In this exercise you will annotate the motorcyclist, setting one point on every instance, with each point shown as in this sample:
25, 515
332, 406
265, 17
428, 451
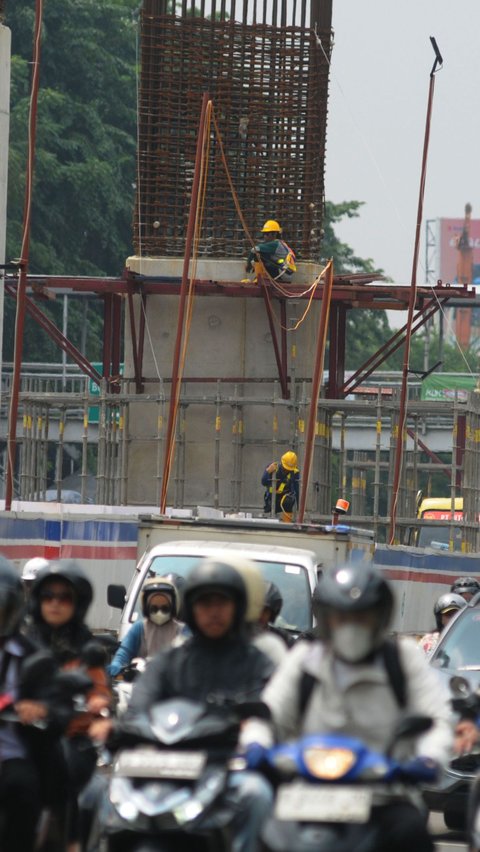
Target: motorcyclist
59, 601
157, 629
467, 587
30, 571
445, 607
27, 754
272, 608
270, 645
218, 664
356, 682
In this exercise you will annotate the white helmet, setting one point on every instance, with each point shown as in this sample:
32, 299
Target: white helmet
33, 566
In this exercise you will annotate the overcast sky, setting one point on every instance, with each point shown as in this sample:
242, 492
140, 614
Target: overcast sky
381, 64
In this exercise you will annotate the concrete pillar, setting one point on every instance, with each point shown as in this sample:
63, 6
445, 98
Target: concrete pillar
229, 337
5, 47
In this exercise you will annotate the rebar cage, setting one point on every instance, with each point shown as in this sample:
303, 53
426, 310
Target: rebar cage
269, 86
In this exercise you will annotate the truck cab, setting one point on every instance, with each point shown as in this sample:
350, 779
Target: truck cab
295, 571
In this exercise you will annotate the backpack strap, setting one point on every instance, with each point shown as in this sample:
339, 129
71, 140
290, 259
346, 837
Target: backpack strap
396, 675
307, 682
393, 666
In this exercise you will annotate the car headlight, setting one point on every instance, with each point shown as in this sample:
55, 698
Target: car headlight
328, 763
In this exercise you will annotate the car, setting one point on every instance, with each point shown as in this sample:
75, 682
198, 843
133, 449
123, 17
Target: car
458, 653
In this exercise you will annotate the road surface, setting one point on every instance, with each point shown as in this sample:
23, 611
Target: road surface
447, 841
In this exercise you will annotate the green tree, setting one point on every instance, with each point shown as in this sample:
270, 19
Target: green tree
344, 258
85, 152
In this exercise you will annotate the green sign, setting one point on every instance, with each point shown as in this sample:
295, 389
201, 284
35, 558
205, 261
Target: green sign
94, 390
447, 386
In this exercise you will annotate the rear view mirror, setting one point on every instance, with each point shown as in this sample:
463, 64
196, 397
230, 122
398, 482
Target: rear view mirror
463, 698
116, 595
460, 687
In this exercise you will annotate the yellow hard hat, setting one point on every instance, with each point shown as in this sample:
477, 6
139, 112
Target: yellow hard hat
270, 226
289, 460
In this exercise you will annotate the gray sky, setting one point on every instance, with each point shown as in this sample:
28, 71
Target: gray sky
381, 63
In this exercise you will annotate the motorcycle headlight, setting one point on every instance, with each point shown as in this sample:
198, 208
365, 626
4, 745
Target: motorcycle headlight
328, 763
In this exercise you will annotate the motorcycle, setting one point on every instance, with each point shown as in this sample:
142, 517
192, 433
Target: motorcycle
123, 683
328, 786
41, 680
169, 778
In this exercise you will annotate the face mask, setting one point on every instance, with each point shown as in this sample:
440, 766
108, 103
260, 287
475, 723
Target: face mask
352, 642
159, 617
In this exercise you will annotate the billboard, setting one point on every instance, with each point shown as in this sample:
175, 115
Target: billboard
447, 386
448, 236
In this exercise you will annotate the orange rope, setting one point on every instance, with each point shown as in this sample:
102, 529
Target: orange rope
275, 284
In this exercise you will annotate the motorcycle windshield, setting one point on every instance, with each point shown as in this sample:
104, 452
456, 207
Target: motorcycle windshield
180, 720
175, 720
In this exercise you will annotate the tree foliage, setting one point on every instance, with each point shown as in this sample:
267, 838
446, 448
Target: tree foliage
85, 168
85, 149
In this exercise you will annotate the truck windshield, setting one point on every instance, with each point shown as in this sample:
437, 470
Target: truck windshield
437, 536
291, 579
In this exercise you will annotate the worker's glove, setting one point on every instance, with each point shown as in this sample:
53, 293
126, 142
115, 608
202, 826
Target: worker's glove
419, 769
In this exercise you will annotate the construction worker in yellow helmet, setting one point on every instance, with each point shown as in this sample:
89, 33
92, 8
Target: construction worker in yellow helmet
276, 256
283, 479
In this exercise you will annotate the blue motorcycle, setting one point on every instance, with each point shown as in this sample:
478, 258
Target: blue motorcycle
330, 786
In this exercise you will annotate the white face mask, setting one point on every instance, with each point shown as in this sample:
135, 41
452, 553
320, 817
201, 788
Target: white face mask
159, 617
352, 642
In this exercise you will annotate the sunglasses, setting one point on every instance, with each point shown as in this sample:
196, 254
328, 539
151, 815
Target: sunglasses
61, 597
163, 608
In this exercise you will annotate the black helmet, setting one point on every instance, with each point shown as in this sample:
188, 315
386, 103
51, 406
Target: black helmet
11, 599
465, 585
161, 586
352, 588
210, 576
449, 602
273, 599
71, 572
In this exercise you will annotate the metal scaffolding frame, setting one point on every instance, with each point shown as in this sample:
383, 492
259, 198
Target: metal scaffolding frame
358, 474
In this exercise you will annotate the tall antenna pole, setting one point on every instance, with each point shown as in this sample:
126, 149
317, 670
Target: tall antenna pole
411, 302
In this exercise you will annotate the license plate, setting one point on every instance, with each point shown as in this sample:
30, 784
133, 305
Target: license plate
150, 763
299, 802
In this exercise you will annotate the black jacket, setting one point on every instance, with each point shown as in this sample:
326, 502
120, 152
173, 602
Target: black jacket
203, 670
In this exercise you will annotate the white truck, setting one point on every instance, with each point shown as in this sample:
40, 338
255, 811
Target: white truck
292, 556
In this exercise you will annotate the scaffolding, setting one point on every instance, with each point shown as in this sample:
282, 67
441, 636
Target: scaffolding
363, 476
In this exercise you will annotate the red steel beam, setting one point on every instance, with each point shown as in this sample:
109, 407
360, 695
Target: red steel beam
390, 347
107, 334
433, 456
402, 409
172, 412
25, 254
282, 372
316, 384
349, 289
46, 323
133, 335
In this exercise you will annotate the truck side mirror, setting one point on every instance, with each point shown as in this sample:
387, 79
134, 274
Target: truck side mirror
116, 595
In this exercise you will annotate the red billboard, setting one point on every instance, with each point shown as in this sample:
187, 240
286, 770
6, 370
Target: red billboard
455, 236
